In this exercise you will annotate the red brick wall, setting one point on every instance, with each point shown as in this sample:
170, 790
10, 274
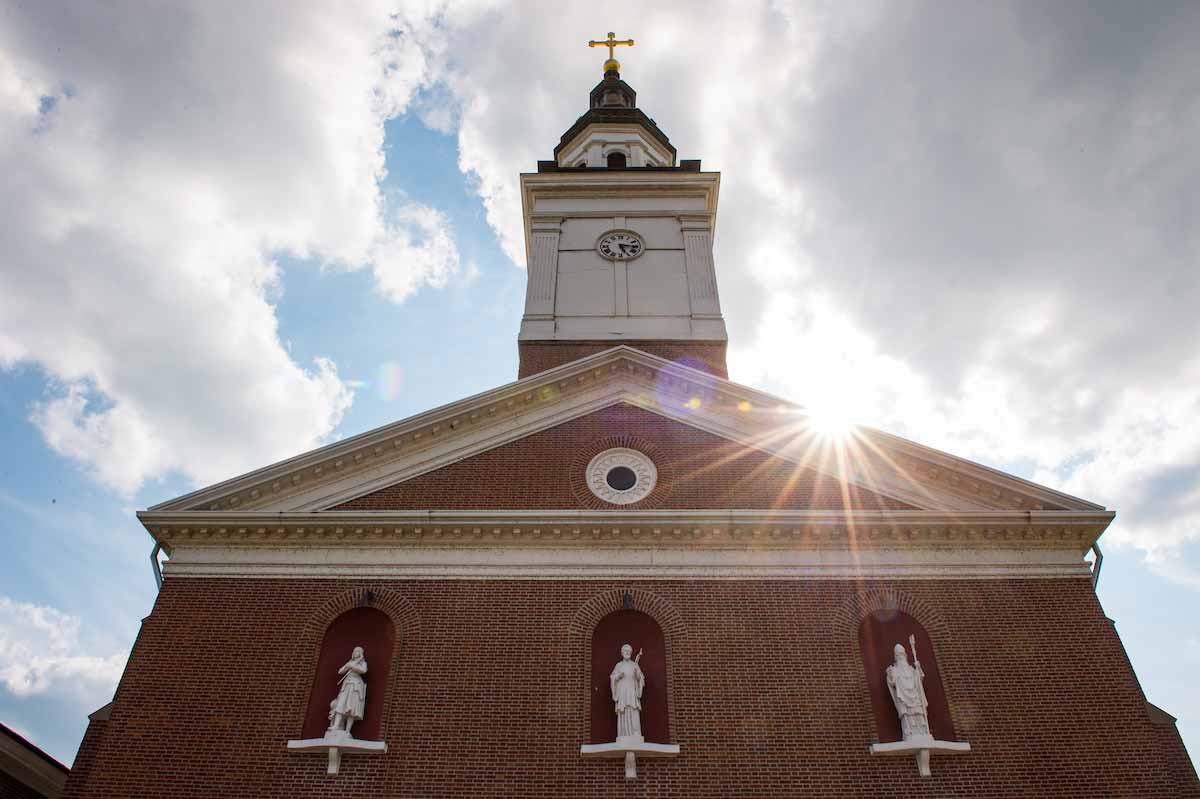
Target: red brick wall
542, 355
695, 470
488, 695
85, 757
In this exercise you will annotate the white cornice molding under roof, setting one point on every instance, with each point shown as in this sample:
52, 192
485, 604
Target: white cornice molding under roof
599, 184
356, 466
560, 544
621, 182
389, 441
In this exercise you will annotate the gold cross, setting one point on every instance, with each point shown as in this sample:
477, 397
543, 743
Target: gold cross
610, 43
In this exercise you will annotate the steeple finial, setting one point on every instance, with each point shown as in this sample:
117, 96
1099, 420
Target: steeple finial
612, 64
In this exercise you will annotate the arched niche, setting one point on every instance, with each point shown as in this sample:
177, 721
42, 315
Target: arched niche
371, 629
640, 631
878, 634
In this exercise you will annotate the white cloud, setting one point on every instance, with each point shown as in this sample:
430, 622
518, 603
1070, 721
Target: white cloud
973, 226
156, 160
416, 250
40, 651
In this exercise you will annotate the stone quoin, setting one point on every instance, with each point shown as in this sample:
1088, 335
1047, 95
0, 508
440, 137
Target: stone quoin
625, 556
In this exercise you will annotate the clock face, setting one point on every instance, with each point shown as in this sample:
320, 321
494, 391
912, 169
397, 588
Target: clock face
620, 245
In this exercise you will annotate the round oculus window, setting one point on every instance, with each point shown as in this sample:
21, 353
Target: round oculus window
621, 476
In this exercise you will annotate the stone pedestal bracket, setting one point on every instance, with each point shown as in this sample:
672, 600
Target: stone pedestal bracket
336, 742
628, 750
921, 748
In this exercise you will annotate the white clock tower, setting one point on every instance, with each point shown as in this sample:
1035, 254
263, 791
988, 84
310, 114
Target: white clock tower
618, 241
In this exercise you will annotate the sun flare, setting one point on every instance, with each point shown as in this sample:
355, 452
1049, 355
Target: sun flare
833, 421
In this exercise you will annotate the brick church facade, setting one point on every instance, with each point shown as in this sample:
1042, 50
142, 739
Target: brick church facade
491, 556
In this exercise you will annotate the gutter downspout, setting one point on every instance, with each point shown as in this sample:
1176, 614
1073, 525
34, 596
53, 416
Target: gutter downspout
158, 569
1095, 566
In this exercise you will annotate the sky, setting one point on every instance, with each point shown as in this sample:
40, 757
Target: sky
236, 231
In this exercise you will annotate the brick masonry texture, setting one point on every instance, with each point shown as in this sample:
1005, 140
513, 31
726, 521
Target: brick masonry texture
85, 757
696, 470
488, 695
542, 355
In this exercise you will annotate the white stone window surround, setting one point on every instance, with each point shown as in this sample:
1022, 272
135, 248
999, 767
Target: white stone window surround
649, 160
632, 152
645, 473
593, 143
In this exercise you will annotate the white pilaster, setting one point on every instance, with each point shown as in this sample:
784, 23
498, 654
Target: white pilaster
702, 277
543, 267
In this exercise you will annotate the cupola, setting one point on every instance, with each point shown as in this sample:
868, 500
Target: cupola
614, 133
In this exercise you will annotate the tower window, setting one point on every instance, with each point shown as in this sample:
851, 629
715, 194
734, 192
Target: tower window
616, 159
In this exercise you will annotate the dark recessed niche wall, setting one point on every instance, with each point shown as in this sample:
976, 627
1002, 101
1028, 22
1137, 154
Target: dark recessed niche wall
640, 631
374, 632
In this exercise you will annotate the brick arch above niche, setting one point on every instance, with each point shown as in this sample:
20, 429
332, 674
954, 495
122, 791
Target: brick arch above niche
868, 600
383, 672
373, 630
878, 633
579, 652
401, 611
867, 621
648, 641
698, 470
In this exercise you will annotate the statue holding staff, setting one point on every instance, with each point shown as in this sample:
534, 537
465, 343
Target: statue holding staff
351, 700
906, 684
627, 682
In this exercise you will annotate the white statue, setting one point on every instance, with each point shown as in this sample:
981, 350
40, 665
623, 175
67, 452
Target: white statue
905, 682
351, 700
627, 682
346, 708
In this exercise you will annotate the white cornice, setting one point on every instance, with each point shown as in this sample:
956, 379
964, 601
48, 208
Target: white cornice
965, 476
620, 183
758, 529
570, 544
885, 464
388, 439
425, 563
457, 429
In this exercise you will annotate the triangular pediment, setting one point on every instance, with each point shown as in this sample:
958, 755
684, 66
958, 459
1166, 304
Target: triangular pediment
894, 472
693, 470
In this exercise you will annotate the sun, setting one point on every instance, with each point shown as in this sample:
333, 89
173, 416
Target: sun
831, 420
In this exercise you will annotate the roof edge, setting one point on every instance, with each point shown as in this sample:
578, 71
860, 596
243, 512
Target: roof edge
447, 417
332, 449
